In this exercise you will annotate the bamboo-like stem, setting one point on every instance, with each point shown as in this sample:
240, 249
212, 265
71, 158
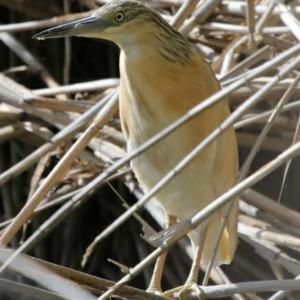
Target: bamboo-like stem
92, 283
227, 123
185, 10
67, 48
26, 290
280, 239
280, 211
61, 105
59, 171
266, 15
45, 277
287, 167
216, 26
203, 144
240, 69
79, 198
88, 86
239, 8
246, 167
248, 62
221, 291
282, 293
60, 200
251, 21
274, 254
207, 212
14, 94
289, 19
260, 117
10, 132
64, 135
225, 72
200, 15
287, 95
33, 63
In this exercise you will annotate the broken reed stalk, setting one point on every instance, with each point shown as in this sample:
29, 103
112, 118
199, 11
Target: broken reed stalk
280, 239
33, 63
183, 13
204, 10
15, 94
94, 284
251, 21
182, 164
256, 144
289, 19
81, 197
60, 169
62, 199
246, 167
259, 117
211, 100
45, 277
63, 136
287, 167
281, 294
244, 171
254, 150
221, 201
89, 86
225, 290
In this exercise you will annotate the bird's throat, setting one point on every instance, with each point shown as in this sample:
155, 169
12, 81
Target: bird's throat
156, 44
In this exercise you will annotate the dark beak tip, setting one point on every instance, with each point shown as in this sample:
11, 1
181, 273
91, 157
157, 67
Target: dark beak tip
64, 30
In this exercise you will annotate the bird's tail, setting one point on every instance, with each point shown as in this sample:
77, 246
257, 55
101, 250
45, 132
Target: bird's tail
228, 241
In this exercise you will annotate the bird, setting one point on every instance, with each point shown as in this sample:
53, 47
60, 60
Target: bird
162, 76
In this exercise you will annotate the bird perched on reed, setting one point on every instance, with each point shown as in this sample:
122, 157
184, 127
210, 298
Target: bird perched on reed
162, 77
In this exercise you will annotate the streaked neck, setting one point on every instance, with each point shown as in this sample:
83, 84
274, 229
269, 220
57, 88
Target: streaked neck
156, 41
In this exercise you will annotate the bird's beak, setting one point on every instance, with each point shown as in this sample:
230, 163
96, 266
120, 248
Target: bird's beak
87, 27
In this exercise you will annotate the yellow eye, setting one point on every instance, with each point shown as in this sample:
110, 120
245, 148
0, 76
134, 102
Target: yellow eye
119, 17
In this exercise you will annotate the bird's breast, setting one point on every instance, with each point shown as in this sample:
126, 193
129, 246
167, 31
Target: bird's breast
152, 96
155, 92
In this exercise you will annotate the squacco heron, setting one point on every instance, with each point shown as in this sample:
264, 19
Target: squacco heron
162, 77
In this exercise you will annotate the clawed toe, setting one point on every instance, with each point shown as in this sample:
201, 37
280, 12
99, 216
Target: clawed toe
184, 292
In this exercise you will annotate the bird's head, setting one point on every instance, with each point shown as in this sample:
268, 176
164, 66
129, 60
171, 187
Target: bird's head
120, 21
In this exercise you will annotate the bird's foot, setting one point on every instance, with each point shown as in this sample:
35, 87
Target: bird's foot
184, 292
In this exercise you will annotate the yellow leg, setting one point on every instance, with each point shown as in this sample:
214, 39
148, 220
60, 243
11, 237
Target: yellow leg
191, 284
155, 282
194, 272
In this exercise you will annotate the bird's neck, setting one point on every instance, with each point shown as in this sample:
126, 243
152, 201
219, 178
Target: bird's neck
154, 52
143, 62
147, 83
156, 42
133, 53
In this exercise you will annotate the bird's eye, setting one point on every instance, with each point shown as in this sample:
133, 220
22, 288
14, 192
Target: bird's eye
119, 17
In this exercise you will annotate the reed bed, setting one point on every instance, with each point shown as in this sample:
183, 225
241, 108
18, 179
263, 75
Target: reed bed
72, 210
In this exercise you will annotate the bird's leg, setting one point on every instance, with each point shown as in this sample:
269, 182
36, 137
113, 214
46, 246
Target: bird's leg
155, 282
191, 284
194, 271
